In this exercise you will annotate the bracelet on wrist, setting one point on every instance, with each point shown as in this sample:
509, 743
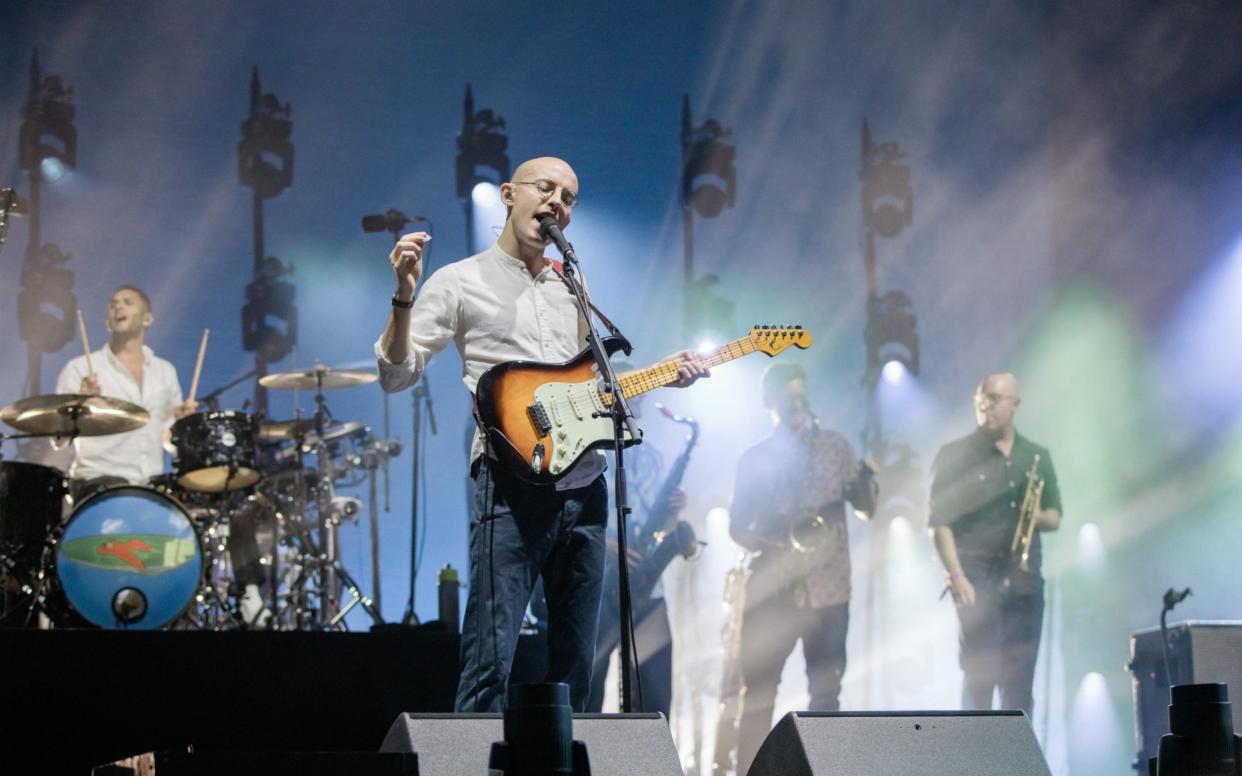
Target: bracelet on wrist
956, 575
398, 302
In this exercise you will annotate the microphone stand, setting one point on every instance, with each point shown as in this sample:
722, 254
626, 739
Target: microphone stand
622, 422
420, 396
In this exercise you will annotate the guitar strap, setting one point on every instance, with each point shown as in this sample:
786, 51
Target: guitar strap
559, 268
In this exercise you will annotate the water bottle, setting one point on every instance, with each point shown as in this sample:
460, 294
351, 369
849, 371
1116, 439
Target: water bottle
449, 598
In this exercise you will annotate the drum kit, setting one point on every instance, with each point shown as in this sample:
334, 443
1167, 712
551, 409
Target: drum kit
244, 505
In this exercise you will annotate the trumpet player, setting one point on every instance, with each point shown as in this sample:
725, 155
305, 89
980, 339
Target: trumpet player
993, 492
789, 508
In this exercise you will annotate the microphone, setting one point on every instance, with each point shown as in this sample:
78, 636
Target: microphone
392, 221
11, 204
552, 231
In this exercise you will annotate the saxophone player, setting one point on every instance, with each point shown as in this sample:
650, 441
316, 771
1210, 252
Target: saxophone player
789, 507
979, 485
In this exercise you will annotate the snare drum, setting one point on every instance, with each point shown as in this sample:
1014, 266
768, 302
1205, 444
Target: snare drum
32, 501
129, 557
215, 451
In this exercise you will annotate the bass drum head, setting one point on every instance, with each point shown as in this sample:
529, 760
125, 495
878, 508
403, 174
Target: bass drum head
129, 558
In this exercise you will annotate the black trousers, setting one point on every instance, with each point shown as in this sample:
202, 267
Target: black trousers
771, 626
999, 638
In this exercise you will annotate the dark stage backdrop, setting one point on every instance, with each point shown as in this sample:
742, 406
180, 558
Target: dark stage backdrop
1076, 184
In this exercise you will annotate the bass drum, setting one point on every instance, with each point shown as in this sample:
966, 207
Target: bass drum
129, 557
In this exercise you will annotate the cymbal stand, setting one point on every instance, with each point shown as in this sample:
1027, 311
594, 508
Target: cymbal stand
214, 610
332, 575
376, 454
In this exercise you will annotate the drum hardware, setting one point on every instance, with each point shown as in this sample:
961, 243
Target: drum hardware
320, 556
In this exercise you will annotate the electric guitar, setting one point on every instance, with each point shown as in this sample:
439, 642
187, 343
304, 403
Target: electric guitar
541, 418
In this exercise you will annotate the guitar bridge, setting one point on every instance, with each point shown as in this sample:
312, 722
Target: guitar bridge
539, 416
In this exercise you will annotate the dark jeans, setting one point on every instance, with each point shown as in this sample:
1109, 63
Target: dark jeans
999, 640
519, 532
771, 626
654, 640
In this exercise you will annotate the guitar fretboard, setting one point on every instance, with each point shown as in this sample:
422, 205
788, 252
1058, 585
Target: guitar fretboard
665, 372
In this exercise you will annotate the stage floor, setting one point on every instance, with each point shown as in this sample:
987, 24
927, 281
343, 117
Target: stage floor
86, 697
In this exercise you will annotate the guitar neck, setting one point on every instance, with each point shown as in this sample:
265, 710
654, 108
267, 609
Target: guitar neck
665, 373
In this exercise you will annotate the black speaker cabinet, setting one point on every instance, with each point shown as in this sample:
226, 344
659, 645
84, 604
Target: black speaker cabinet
459, 744
909, 743
1199, 652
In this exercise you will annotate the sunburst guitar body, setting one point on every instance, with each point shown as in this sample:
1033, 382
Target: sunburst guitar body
540, 419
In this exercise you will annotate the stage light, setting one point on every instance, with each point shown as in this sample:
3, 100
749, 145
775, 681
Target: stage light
891, 335
1096, 740
1092, 555
704, 347
718, 521
481, 159
899, 529
485, 194
52, 169
894, 372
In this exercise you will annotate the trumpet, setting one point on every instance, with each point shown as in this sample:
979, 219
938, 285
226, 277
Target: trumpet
1025, 531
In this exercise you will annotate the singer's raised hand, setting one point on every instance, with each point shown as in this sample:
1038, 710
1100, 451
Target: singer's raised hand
407, 262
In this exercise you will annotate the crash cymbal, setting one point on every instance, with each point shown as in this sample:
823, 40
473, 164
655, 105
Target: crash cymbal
318, 376
66, 414
282, 430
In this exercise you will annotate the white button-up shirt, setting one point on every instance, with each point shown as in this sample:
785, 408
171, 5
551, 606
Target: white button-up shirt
491, 307
136, 455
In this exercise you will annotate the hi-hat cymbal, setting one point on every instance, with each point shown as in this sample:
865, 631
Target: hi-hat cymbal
66, 414
318, 376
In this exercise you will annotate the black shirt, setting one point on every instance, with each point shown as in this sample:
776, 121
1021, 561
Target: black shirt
977, 491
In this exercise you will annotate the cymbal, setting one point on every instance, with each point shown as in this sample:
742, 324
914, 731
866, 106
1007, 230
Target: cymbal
281, 430
64, 414
338, 430
319, 376
332, 432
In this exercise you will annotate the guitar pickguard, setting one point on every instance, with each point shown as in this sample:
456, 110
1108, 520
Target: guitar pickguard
577, 417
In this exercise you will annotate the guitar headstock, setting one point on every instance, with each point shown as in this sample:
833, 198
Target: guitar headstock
774, 339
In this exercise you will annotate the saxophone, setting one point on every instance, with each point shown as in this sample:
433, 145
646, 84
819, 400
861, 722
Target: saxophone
732, 683
663, 536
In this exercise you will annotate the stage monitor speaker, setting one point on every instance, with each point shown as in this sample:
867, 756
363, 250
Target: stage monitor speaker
459, 744
909, 743
1200, 652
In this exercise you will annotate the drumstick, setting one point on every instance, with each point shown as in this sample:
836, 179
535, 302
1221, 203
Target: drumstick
198, 365
86, 343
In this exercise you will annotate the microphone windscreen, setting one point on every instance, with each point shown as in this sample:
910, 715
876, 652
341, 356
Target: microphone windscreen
374, 223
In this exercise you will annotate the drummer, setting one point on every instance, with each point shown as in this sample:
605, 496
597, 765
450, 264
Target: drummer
125, 368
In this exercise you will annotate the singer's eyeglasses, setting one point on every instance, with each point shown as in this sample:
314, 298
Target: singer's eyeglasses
547, 188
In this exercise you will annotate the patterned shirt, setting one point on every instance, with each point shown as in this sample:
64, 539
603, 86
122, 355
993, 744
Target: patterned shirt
787, 478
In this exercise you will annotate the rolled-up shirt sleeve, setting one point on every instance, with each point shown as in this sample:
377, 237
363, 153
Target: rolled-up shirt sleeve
433, 324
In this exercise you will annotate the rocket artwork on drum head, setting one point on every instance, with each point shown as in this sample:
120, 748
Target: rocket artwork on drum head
130, 558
